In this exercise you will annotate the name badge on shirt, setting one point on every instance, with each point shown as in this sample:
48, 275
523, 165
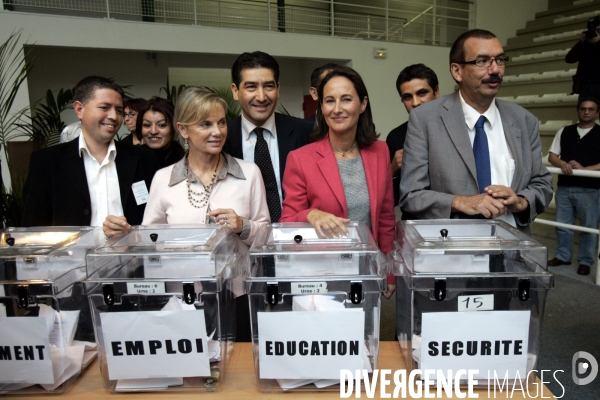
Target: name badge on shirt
140, 191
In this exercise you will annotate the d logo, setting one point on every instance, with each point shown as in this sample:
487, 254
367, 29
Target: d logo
583, 367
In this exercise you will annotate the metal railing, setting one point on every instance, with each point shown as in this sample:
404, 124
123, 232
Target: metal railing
576, 172
416, 21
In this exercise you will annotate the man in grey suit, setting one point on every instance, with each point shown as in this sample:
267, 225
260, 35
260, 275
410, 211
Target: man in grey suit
468, 155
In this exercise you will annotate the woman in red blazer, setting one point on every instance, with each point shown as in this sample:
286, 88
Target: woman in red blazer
315, 189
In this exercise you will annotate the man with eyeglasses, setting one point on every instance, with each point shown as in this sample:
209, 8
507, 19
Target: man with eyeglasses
577, 147
468, 155
587, 53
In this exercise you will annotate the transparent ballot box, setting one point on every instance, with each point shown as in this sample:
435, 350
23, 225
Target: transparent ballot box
470, 295
314, 305
163, 312
46, 330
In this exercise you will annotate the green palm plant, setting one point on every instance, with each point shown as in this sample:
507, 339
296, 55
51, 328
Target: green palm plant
13, 72
172, 93
233, 107
46, 124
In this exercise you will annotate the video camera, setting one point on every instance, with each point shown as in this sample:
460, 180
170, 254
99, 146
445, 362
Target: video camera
592, 23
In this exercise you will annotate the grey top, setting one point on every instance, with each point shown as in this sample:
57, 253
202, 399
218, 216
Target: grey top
354, 180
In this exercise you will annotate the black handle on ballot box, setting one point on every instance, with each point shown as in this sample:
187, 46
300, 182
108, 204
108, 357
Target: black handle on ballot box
189, 294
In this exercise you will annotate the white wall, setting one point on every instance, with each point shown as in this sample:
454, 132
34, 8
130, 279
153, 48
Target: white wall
75, 47
504, 17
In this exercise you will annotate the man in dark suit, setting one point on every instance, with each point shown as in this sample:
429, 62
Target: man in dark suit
469, 155
416, 84
255, 86
264, 137
83, 181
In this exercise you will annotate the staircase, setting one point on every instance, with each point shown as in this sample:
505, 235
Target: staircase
539, 79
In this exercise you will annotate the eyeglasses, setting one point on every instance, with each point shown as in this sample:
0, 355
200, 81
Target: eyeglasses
130, 115
487, 61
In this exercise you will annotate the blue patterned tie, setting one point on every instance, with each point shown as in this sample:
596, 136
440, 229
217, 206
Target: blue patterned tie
482, 156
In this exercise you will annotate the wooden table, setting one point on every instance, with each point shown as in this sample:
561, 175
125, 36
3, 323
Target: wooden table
240, 382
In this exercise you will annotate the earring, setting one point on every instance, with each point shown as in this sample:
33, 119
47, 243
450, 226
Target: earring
185, 142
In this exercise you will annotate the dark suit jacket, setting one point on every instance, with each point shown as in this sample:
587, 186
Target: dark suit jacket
292, 133
56, 191
312, 119
395, 142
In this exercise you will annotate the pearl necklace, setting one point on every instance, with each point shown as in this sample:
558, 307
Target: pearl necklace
203, 196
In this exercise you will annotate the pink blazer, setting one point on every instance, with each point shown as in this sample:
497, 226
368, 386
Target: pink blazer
312, 181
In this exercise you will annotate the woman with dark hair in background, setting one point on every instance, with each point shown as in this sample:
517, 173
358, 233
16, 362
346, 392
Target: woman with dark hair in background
345, 174
132, 108
155, 126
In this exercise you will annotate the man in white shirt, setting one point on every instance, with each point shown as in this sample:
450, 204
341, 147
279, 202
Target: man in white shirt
468, 155
83, 181
577, 147
255, 85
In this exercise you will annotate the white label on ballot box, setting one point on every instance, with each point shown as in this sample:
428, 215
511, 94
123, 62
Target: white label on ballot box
310, 345
155, 344
487, 341
145, 287
309, 287
25, 351
477, 302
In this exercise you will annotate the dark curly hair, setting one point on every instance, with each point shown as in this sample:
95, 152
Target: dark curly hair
157, 104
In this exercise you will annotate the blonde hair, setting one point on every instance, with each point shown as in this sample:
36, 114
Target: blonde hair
195, 103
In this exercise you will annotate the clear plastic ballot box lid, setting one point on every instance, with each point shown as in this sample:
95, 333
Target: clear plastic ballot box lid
465, 246
314, 305
46, 330
470, 295
168, 251
297, 251
162, 300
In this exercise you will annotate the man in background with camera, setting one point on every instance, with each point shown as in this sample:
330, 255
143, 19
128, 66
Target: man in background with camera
587, 52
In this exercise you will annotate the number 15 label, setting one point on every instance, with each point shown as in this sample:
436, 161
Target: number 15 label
477, 302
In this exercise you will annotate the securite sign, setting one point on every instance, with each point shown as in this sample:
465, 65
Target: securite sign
310, 345
484, 341
25, 351
155, 344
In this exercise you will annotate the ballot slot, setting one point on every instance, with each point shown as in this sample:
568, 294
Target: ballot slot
314, 305
163, 306
46, 329
470, 296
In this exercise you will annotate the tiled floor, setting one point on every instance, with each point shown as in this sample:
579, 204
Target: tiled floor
566, 270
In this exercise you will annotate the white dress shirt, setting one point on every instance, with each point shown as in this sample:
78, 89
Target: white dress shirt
502, 163
555, 147
270, 135
103, 183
